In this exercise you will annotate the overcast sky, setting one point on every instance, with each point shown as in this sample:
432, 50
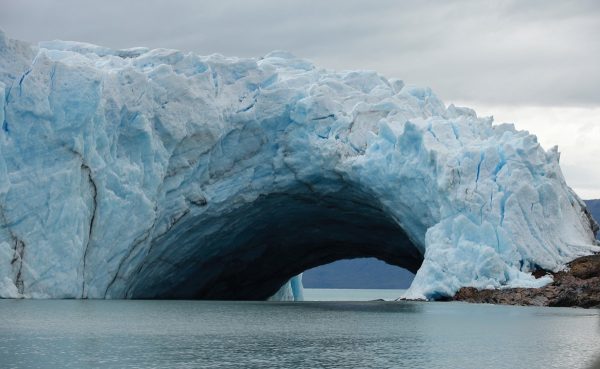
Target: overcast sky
534, 63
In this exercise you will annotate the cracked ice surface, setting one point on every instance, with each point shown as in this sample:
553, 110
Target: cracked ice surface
122, 172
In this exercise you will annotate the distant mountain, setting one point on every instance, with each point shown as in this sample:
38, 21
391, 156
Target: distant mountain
357, 273
594, 208
373, 273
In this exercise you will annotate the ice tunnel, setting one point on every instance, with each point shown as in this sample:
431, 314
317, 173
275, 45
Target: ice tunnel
253, 250
144, 173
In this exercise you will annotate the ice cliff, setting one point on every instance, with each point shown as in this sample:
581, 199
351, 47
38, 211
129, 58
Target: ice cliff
156, 173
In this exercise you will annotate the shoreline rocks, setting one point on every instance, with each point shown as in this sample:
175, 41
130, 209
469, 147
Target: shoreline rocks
576, 286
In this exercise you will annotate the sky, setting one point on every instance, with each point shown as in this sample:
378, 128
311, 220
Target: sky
534, 63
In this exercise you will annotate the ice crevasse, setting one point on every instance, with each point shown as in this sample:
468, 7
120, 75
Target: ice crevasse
143, 173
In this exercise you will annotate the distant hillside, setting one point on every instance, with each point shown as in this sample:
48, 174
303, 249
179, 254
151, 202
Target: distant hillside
373, 273
357, 273
594, 208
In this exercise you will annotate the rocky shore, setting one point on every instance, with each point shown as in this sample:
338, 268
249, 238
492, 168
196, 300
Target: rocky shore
577, 286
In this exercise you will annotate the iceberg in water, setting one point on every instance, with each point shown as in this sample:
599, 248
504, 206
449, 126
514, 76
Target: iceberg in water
161, 174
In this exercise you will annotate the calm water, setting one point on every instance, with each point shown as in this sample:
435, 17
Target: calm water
211, 334
343, 294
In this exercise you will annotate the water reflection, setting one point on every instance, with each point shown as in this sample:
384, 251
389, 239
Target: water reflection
596, 364
125, 334
358, 306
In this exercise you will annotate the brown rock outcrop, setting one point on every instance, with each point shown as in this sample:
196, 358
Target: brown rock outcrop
578, 285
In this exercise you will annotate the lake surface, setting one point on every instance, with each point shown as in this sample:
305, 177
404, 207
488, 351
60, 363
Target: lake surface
215, 334
343, 294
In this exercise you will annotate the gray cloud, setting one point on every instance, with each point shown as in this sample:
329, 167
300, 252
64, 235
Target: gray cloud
533, 62
509, 52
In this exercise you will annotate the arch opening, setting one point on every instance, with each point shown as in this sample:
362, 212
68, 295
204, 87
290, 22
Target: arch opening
251, 251
357, 273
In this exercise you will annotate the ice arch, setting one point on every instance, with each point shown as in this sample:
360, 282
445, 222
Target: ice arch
258, 247
157, 173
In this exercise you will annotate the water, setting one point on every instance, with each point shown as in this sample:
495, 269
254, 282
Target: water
344, 294
214, 334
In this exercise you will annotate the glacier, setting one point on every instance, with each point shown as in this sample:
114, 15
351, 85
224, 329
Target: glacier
143, 173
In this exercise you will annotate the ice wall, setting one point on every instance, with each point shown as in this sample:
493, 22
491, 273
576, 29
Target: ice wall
160, 173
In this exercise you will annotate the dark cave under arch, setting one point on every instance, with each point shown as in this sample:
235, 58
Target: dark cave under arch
249, 252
